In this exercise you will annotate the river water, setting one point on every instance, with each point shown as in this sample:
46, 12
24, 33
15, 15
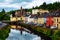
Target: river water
16, 35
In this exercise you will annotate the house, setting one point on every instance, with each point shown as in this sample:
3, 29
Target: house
43, 11
40, 20
35, 19
49, 22
31, 18
27, 18
56, 18
36, 11
18, 15
56, 22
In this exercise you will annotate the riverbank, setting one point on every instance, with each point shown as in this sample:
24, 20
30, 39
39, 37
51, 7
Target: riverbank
45, 33
4, 32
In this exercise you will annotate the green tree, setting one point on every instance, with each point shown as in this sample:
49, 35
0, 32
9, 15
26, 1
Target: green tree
3, 11
43, 6
49, 6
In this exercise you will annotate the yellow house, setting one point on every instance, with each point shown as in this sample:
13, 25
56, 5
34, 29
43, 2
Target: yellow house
43, 11
16, 18
35, 11
56, 22
18, 15
40, 20
22, 18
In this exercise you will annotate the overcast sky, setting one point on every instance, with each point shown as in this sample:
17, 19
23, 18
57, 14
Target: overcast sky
16, 4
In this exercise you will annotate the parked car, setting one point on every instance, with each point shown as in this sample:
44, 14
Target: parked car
53, 27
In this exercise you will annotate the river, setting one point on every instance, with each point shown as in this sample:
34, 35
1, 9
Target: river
16, 35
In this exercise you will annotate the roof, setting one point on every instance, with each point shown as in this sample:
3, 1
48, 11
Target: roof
34, 16
26, 15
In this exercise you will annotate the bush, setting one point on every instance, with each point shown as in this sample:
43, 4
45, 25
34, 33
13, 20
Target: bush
56, 35
4, 32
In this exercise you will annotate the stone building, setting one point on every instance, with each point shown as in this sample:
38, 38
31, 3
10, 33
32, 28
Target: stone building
18, 15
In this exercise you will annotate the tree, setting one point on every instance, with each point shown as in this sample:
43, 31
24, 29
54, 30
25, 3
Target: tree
36, 7
3, 11
49, 7
43, 6
33, 8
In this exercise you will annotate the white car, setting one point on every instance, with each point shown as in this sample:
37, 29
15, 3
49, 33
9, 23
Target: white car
53, 27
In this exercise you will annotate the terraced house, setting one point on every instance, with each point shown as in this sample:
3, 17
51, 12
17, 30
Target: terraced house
38, 17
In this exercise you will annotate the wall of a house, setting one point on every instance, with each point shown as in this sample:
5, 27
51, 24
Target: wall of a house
56, 22
40, 20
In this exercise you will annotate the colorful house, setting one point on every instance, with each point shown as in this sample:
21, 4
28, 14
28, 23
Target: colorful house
40, 20
56, 22
49, 22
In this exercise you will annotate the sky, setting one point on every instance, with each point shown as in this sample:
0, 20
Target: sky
9, 5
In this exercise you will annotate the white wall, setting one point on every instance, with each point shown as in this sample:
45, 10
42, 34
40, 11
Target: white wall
34, 11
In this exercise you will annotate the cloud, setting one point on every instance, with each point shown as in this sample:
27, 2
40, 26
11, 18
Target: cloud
34, 3
16, 4
9, 5
8, 1
51, 1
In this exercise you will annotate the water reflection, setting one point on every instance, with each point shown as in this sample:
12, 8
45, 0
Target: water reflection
16, 35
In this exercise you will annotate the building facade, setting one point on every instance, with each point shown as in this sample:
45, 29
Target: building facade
56, 22
18, 15
36, 11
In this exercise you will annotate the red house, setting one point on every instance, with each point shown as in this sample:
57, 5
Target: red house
49, 21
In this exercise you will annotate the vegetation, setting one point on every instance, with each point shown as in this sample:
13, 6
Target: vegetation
53, 34
49, 7
4, 32
56, 35
4, 15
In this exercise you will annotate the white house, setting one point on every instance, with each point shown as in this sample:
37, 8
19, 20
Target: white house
30, 18
27, 18
35, 11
